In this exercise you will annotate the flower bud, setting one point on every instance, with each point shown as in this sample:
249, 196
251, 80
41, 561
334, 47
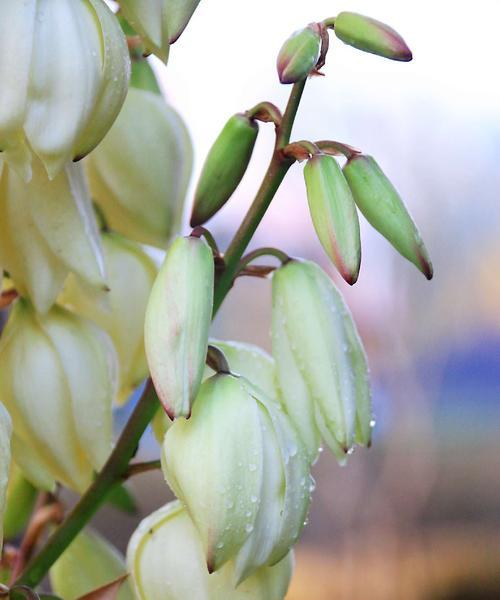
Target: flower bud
334, 215
67, 83
224, 167
179, 14
21, 498
5, 434
313, 326
369, 35
239, 469
88, 563
165, 558
299, 54
384, 209
140, 172
178, 317
130, 275
57, 378
47, 230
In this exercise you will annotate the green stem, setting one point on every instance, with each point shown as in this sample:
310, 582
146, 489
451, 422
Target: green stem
275, 174
126, 447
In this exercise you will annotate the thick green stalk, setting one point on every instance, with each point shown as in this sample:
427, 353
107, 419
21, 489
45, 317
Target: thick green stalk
118, 463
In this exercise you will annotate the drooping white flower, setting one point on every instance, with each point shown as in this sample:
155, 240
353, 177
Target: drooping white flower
64, 71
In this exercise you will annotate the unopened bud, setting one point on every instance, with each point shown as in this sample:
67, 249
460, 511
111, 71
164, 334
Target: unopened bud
369, 35
313, 326
299, 54
88, 563
177, 321
165, 558
179, 14
150, 20
384, 209
334, 214
224, 167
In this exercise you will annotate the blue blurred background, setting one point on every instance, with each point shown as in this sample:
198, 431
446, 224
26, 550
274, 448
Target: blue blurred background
417, 515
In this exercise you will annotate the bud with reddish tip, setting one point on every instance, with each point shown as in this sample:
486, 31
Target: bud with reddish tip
178, 317
384, 209
224, 167
299, 54
334, 215
370, 35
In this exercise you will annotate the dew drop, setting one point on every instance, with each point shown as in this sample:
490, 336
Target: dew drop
249, 528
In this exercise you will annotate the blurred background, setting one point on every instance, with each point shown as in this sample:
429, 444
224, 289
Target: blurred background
418, 515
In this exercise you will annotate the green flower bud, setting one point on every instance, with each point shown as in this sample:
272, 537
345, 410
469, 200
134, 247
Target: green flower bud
299, 54
5, 434
165, 558
89, 563
21, 497
313, 332
67, 84
48, 229
240, 470
369, 35
177, 321
149, 19
61, 412
334, 215
384, 209
140, 172
131, 273
224, 167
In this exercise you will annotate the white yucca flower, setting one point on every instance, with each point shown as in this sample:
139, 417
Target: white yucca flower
48, 229
58, 381
64, 70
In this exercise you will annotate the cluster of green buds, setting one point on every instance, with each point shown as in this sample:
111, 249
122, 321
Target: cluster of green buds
244, 428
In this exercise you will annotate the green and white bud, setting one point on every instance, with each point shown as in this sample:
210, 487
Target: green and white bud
178, 318
130, 275
5, 435
384, 209
299, 54
314, 334
67, 83
140, 172
58, 381
334, 215
166, 560
48, 230
224, 167
88, 563
179, 14
370, 35
21, 498
240, 470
